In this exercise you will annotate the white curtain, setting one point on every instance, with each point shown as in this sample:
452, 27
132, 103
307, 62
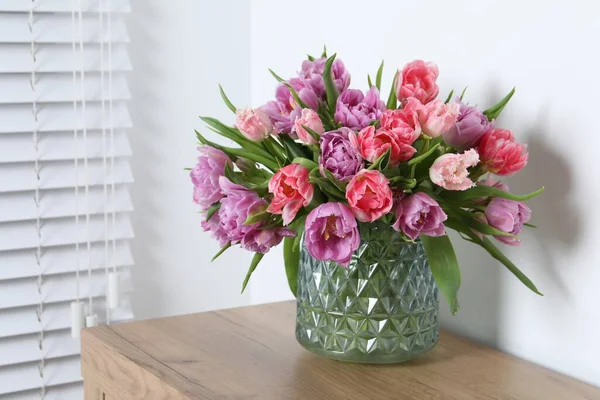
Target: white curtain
64, 176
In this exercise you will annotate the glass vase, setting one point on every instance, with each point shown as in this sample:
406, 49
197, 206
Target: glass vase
382, 308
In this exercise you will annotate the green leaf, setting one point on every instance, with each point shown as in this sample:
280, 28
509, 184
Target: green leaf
276, 152
305, 162
214, 207
291, 259
392, 101
375, 123
310, 58
297, 98
277, 77
369, 81
462, 94
226, 100
293, 148
255, 260
221, 251
449, 97
258, 216
330, 89
324, 53
327, 187
267, 162
312, 133
423, 156
486, 191
468, 219
336, 182
530, 225
444, 267
207, 142
298, 225
402, 182
235, 135
498, 255
378, 76
458, 226
494, 111
382, 161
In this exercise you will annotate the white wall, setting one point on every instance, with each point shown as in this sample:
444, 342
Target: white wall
545, 50
182, 49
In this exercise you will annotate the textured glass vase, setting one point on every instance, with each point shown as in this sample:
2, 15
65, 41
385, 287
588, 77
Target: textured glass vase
382, 308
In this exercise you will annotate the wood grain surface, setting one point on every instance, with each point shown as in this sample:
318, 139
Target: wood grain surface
251, 353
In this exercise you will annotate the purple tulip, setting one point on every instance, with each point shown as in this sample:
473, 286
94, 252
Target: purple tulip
261, 240
469, 128
507, 216
205, 176
213, 225
338, 155
283, 111
355, 110
419, 214
236, 206
331, 233
312, 72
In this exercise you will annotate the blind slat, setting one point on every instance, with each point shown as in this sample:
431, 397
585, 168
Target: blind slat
16, 58
62, 6
22, 349
60, 175
23, 321
57, 28
62, 392
20, 206
58, 288
60, 117
59, 232
60, 146
58, 87
60, 260
26, 376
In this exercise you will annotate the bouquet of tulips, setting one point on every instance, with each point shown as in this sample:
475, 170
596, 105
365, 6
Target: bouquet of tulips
322, 158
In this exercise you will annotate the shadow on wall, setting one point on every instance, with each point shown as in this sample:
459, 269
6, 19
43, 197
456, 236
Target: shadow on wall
146, 123
559, 226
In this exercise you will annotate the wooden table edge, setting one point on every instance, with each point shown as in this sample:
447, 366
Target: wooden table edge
115, 368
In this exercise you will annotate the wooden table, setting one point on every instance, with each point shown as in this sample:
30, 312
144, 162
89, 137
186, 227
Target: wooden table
251, 353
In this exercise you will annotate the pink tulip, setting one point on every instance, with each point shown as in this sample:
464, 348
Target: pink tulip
437, 118
417, 79
450, 170
369, 195
311, 120
399, 129
254, 124
372, 143
291, 191
501, 154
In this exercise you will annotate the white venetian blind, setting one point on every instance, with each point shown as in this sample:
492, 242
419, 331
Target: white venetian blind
64, 200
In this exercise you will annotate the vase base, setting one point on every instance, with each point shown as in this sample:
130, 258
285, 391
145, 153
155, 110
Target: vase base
357, 356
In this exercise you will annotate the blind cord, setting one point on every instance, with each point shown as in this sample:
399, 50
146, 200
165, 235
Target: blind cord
76, 154
85, 163
112, 135
38, 226
104, 157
